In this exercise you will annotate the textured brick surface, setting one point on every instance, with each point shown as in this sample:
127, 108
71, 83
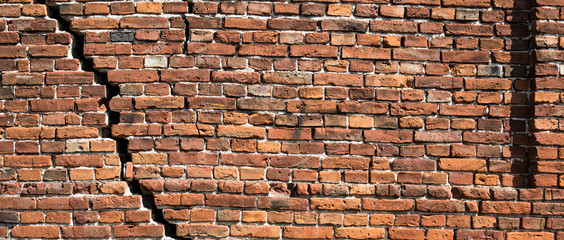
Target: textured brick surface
322, 119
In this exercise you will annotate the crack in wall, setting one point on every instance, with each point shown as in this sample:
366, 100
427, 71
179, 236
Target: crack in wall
77, 49
101, 78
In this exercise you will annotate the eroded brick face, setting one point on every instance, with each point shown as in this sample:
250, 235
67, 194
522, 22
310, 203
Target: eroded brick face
322, 119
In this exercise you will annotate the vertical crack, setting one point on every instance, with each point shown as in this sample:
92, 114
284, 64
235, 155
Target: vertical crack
190, 6
157, 214
77, 43
186, 31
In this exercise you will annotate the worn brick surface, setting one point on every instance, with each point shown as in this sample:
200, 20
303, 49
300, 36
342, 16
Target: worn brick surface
322, 119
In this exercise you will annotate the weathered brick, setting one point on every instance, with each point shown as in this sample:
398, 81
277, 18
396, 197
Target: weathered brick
86, 232
344, 25
417, 54
154, 231
505, 207
313, 51
360, 232
94, 23
255, 231
236, 77
36, 231
465, 56
241, 131
230, 201
292, 24
111, 202
202, 230
228, 133
359, 163
366, 53
453, 164
393, 26
307, 232
125, 76
388, 136
387, 204
439, 205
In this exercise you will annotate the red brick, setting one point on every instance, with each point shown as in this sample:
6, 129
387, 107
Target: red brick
245, 159
263, 50
211, 48
466, 56
360, 163
156, 48
202, 230
452, 164
388, 136
549, 139
468, 29
36, 231
489, 84
125, 76
76, 161
230, 201
242, 23
337, 79
241, 131
94, 23
462, 110
188, 75
255, 231
337, 134
366, 53
344, 25
436, 136
417, 54
294, 161
387, 204
470, 3
393, 26
86, 232
27, 161
440, 205
313, 51
110, 202
414, 165
413, 109
159, 102
530, 235
360, 232
406, 233
292, 24
17, 203
312, 106
488, 138
236, 77
107, 49
505, 207
144, 22
539, 208
307, 232
289, 134
138, 231
193, 158
275, 203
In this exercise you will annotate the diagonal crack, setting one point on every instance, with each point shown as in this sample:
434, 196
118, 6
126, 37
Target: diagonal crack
77, 51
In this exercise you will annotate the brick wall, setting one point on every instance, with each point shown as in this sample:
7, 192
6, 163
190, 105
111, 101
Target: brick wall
320, 119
